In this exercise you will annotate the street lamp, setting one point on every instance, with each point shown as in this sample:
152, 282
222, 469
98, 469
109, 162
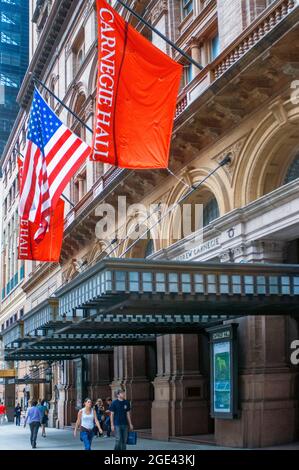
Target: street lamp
48, 374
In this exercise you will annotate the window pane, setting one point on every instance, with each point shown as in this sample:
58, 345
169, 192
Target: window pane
120, 278
186, 283
211, 278
273, 285
215, 47
236, 284
261, 284
160, 282
147, 282
248, 281
173, 282
224, 286
133, 281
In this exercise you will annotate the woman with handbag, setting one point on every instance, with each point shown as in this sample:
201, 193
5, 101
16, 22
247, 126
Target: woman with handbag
86, 420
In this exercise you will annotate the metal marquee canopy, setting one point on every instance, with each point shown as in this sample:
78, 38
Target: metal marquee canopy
130, 301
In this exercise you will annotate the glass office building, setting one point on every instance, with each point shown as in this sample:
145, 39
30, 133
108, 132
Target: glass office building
14, 55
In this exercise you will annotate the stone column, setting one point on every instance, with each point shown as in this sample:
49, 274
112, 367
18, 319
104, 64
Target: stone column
81, 187
138, 386
66, 411
119, 373
130, 372
99, 377
196, 55
70, 394
9, 400
260, 251
268, 384
53, 412
181, 390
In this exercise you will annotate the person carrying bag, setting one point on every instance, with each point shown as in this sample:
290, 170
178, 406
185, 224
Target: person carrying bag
86, 419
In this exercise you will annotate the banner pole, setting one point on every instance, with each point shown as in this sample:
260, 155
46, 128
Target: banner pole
156, 31
62, 195
37, 80
226, 160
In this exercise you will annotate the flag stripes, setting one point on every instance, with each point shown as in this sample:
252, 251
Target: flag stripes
53, 155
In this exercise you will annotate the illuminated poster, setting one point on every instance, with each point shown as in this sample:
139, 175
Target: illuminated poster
79, 384
222, 377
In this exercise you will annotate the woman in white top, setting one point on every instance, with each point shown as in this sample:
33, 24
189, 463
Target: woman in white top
87, 420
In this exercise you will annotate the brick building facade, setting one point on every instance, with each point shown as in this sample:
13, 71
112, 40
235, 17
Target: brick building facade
240, 104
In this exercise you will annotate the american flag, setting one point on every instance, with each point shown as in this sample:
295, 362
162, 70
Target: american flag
53, 154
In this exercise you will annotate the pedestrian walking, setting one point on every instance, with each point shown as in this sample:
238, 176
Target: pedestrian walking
34, 419
44, 412
100, 412
86, 421
18, 411
107, 417
120, 420
3, 417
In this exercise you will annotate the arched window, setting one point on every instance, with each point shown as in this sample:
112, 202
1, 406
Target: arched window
196, 212
210, 211
293, 171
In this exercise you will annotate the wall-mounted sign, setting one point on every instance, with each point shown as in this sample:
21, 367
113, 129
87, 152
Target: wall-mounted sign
80, 382
224, 371
213, 245
7, 373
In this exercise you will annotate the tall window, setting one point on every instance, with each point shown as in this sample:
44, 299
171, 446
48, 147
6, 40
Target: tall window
10, 18
293, 171
10, 58
252, 9
9, 80
215, 47
78, 49
10, 38
187, 74
187, 7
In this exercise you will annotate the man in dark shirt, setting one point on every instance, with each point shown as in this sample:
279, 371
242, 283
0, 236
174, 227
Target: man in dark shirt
120, 419
18, 411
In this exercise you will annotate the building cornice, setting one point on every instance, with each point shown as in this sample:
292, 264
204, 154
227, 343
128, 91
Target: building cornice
12, 137
241, 215
42, 271
59, 14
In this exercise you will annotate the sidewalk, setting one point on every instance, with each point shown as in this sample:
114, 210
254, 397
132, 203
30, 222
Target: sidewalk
17, 438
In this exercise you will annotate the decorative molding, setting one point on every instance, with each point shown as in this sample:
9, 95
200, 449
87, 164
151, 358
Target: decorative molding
233, 151
158, 10
68, 50
279, 112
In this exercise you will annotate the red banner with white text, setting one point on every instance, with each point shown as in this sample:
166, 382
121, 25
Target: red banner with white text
50, 247
136, 96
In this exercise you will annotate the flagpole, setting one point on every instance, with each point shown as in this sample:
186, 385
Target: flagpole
193, 188
62, 195
178, 49
37, 80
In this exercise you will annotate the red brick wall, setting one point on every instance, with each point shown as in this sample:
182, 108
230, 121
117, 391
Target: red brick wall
235, 15
230, 23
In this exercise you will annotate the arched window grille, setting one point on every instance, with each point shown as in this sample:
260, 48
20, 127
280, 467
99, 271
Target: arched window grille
293, 171
150, 248
210, 211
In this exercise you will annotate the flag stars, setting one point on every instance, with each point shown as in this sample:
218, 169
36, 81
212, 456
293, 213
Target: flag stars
43, 122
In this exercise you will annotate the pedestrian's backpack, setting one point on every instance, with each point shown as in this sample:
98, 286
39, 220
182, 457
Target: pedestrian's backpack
132, 438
